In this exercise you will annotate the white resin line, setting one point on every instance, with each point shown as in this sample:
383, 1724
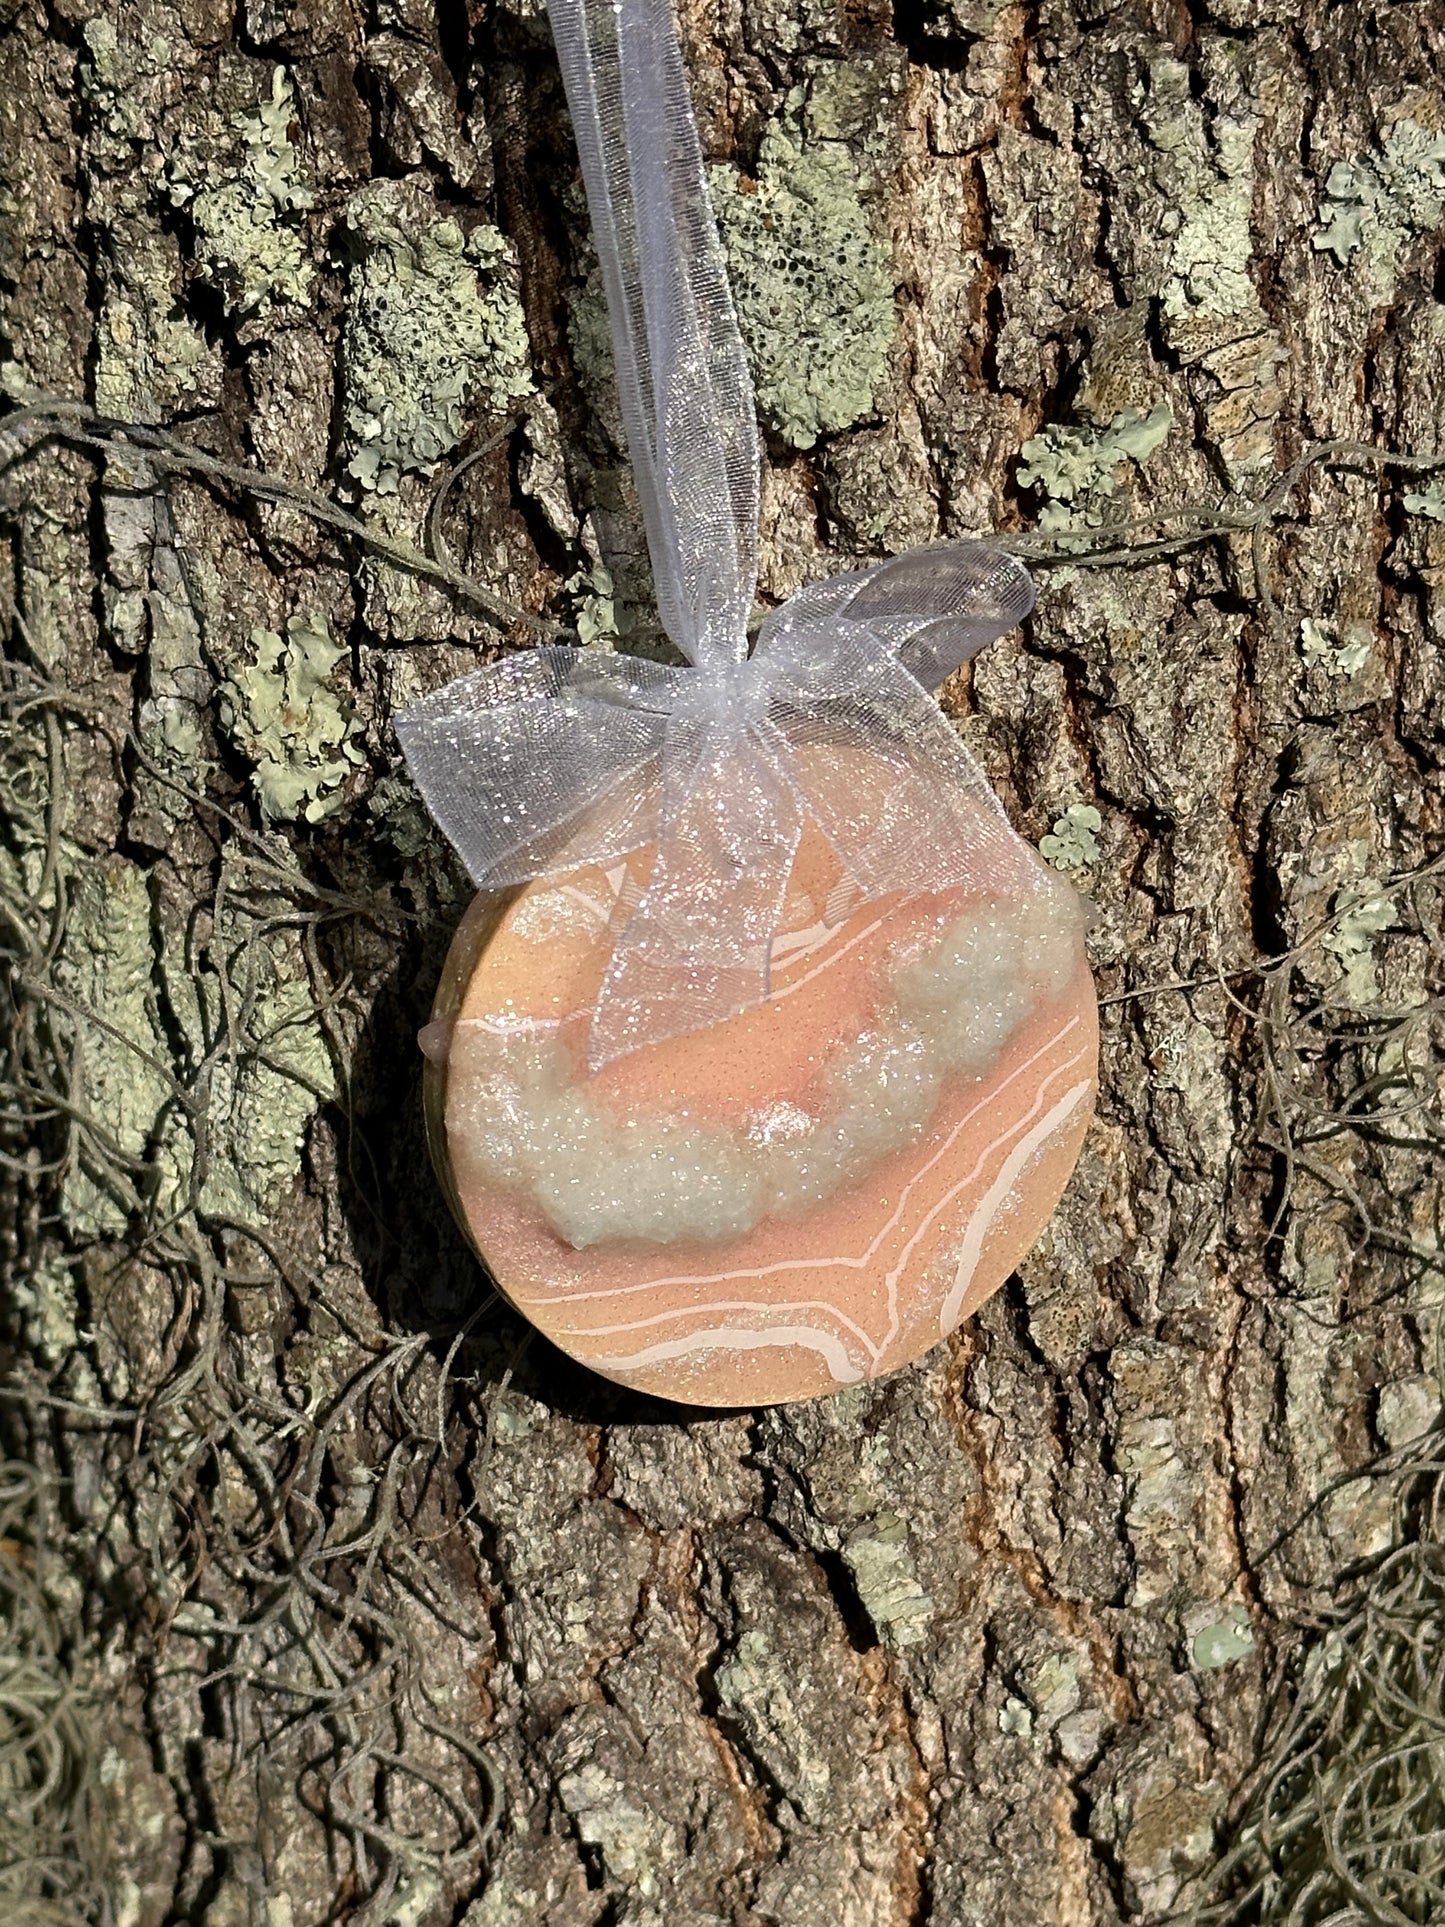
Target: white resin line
994, 1199
499, 1024
812, 1264
802, 942
826, 963
733, 1304
980, 1163
735, 1339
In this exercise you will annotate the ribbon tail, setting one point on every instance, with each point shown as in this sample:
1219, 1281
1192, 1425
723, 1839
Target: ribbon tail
698, 947
541, 761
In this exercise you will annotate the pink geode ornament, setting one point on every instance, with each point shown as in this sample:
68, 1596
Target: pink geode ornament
769, 1047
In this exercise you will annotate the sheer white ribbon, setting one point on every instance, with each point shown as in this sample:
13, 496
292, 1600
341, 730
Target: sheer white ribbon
562, 756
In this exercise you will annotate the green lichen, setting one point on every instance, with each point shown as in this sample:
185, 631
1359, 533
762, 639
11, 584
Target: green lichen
854, 100
433, 325
1375, 202
119, 1083
594, 605
249, 242
634, 1842
1339, 654
153, 607
1407, 1410
149, 359
1203, 169
1221, 1641
1204, 166
1054, 1689
1202, 119
757, 1683
254, 1062
117, 76
1016, 1719
282, 713
880, 1558
811, 278
1428, 501
1073, 843
1078, 468
415, 1899
1364, 910
244, 1004
25, 811
47, 1305
1210, 254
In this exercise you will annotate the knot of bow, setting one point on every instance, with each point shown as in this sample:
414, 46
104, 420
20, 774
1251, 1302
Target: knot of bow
560, 756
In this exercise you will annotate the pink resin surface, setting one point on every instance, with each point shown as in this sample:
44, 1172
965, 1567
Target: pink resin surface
674, 1221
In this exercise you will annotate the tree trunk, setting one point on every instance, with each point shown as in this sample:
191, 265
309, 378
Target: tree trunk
356, 1603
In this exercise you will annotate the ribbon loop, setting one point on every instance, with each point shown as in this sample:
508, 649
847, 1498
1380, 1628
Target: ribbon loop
517, 759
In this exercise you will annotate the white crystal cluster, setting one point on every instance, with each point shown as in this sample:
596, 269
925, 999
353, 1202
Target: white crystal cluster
517, 1116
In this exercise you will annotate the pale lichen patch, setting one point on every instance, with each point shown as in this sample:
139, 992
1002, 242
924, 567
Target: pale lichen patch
594, 604
245, 208
123, 73
1364, 911
1016, 1719
1428, 501
1077, 469
217, 1122
810, 274
1338, 652
1218, 1637
119, 1081
149, 359
283, 713
433, 326
880, 1557
1197, 254
247, 1010
1373, 203
634, 1842
48, 1307
1209, 260
1053, 1689
1073, 843
1408, 1409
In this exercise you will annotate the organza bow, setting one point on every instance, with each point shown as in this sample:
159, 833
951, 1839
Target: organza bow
561, 756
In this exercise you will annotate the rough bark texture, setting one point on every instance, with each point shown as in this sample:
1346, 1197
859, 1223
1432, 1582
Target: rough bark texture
342, 1583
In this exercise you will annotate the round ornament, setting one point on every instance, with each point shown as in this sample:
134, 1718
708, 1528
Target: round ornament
808, 1194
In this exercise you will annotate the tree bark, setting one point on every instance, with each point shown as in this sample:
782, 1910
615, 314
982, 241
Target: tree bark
372, 1608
